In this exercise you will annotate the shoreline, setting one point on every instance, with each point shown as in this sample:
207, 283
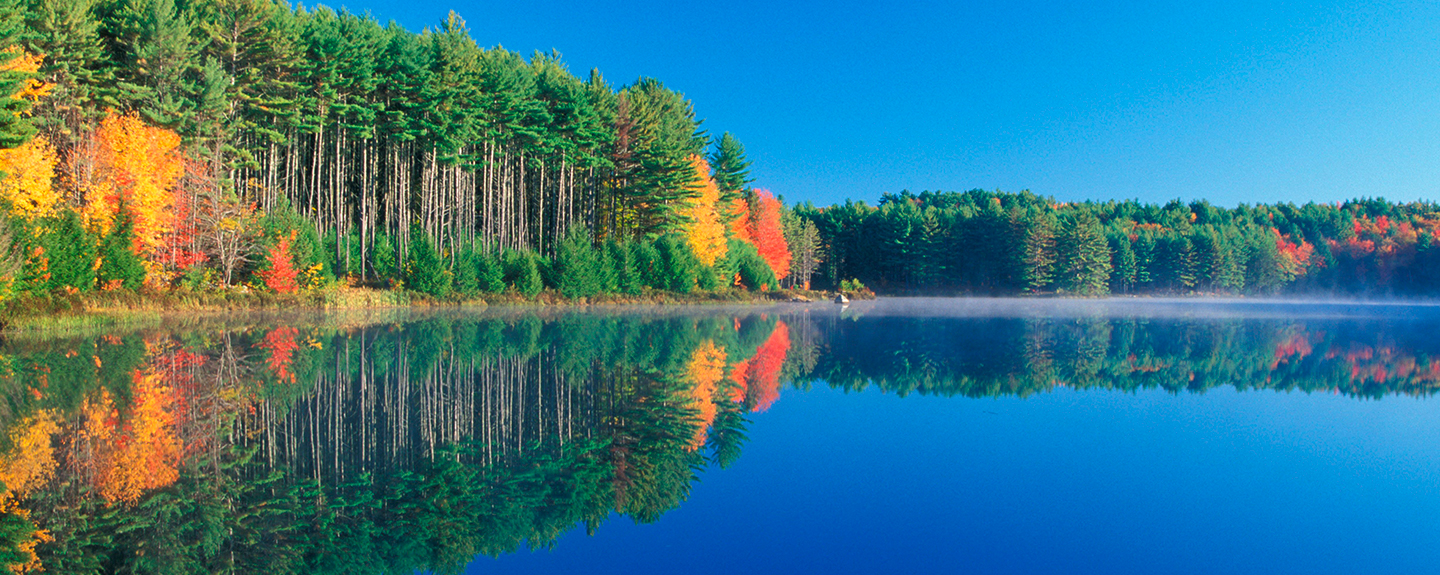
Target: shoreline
102, 310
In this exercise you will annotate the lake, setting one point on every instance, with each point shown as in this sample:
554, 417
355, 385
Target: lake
899, 435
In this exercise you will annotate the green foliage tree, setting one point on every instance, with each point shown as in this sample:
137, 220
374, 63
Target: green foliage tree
71, 252
1084, 256
1037, 262
424, 271
522, 272
489, 274
466, 272
730, 169
678, 268
119, 265
384, 264
577, 265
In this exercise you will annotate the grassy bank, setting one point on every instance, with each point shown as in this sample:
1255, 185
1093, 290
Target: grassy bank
130, 309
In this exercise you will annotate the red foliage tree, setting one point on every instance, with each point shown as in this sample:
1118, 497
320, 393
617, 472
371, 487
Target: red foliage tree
759, 376
769, 237
282, 346
280, 275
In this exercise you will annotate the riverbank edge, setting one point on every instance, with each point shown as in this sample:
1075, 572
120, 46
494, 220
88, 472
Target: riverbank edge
119, 309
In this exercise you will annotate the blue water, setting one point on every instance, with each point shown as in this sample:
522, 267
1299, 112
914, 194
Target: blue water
1061, 482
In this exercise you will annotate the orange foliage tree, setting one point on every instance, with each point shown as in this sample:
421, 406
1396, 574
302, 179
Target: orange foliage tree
741, 224
137, 453
759, 376
139, 166
704, 372
182, 240
1294, 257
705, 231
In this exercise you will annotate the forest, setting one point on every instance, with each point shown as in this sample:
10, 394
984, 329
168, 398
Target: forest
160, 145
996, 243
207, 146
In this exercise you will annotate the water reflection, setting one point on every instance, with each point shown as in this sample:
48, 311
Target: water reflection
333, 446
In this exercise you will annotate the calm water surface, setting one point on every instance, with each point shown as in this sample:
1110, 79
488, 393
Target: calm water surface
987, 436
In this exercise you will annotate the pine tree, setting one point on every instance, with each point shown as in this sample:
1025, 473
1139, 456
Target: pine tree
649, 271
576, 271
383, 252
119, 265
677, 263
15, 128
1037, 264
424, 271
71, 252
466, 272
1124, 263
628, 276
731, 171
523, 269
1085, 263
489, 274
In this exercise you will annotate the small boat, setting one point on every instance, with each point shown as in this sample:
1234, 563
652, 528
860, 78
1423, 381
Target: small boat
841, 299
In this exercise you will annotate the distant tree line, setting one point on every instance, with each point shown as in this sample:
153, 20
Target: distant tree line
985, 242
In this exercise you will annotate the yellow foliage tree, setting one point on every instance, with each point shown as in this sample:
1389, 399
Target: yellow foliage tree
34, 88
705, 231
705, 370
29, 562
29, 178
140, 166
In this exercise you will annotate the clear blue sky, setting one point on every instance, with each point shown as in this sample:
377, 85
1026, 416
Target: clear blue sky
1227, 101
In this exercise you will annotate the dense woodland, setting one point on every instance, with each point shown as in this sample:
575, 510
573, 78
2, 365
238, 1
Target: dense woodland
421, 444
225, 142
208, 144
1000, 243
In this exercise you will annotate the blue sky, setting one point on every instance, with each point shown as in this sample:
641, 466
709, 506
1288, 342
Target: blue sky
1226, 101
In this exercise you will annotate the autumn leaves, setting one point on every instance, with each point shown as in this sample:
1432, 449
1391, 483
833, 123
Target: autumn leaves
752, 219
753, 384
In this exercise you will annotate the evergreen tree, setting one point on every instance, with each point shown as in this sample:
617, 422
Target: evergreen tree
1125, 266
679, 268
384, 265
119, 265
751, 269
648, 269
629, 277
1085, 263
730, 169
424, 271
71, 252
15, 128
576, 269
1037, 263
489, 274
522, 271
466, 272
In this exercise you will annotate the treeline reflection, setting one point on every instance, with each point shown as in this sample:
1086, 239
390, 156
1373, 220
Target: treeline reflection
423, 443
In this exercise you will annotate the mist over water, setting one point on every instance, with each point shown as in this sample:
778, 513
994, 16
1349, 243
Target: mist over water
1002, 435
